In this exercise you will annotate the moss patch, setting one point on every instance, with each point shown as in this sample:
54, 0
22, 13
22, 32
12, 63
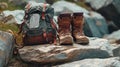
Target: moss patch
13, 27
5, 27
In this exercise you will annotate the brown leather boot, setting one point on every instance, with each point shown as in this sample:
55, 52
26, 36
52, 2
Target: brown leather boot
77, 29
64, 23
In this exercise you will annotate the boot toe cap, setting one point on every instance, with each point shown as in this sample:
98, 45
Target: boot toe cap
82, 40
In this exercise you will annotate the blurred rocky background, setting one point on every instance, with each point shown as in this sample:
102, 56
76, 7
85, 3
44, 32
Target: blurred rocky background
102, 26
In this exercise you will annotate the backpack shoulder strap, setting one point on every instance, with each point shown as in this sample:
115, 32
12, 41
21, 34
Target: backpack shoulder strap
43, 11
55, 27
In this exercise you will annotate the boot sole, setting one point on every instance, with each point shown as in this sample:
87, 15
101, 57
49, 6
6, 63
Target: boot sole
83, 42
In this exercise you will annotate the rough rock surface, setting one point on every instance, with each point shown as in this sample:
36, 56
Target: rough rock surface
97, 48
95, 27
108, 62
18, 14
6, 47
65, 6
116, 51
114, 37
108, 8
97, 4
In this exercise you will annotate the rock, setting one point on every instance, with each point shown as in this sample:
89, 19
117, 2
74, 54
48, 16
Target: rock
9, 19
114, 37
98, 4
24, 2
95, 25
6, 48
67, 6
112, 12
34, 4
116, 51
108, 8
92, 19
97, 48
50, 1
107, 62
112, 27
18, 15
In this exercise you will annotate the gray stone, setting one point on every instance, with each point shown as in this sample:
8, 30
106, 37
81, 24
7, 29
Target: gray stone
17, 14
65, 6
95, 27
116, 51
6, 47
97, 4
108, 8
114, 37
107, 62
97, 48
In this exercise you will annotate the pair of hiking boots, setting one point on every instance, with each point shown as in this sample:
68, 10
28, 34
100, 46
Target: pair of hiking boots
71, 29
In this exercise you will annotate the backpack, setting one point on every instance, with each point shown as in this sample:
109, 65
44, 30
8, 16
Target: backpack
38, 26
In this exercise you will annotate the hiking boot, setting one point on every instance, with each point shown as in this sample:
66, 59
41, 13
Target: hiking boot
64, 23
77, 29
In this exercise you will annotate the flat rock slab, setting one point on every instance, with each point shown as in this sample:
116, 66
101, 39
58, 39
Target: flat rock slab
108, 62
97, 48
